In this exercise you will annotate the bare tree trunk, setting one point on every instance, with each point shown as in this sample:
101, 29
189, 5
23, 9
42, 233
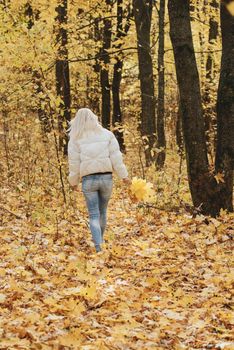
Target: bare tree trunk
143, 14
161, 139
117, 76
118, 67
213, 34
190, 102
208, 192
208, 99
104, 70
32, 15
92, 91
62, 74
225, 112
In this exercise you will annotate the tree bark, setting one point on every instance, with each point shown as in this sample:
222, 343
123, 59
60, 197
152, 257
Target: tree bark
117, 76
190, 104
208, 192
143, 13
161, 139
104, 70
225, 112
121, 32
213, 34
63, 74
208, 99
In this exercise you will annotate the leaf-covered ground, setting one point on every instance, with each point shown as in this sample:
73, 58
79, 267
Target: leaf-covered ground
164, 281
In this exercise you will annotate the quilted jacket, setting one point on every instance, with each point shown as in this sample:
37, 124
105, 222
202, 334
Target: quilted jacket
96, 153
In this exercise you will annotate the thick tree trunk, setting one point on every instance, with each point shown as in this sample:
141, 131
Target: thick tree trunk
104, 70
208, 192
143, 13
62, 74
121, 31
161, 139
200, 182
225, 112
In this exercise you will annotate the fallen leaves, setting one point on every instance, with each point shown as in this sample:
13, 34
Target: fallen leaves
164, 282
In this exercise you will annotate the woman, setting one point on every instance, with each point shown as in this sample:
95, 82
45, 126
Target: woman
93, 154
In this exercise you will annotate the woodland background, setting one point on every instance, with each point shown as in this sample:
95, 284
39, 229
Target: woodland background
166, 281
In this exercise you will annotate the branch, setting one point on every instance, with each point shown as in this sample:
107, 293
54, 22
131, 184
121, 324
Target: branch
98, 20
79, 59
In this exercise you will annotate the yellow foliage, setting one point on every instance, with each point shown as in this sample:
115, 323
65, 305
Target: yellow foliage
142, 190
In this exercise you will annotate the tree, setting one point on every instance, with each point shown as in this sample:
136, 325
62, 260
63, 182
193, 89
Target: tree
62, 74
104, 68
210, 193
211, 74
143, 13
161, 139
213, 34
121, 32
225, 111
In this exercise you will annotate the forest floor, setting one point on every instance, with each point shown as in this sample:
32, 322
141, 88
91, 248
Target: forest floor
164, 281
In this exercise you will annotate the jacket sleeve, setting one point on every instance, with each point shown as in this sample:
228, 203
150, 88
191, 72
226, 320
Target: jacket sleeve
74, 163
116, 158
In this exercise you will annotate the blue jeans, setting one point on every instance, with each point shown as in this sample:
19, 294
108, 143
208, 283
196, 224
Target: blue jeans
97, 190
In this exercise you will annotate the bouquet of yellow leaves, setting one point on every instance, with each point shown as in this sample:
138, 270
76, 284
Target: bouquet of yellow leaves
140, 190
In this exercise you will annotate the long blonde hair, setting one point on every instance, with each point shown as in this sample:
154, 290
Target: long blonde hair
84, 123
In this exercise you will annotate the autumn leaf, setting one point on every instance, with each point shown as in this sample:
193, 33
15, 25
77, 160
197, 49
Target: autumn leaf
142, 190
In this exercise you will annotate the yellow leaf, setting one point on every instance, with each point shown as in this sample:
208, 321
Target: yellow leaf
73, 338
89, 292
142, 190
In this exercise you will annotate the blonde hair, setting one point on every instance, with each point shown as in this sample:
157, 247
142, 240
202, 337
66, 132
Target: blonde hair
84, 123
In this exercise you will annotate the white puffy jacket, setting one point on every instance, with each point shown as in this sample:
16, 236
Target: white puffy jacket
97, 153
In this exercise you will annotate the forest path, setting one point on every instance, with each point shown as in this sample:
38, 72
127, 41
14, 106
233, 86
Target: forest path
164, 284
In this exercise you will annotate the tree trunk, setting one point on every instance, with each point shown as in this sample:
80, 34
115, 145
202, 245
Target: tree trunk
179, 134
208, 192
190, 103
104, 70
32, 15
43, 116
62, 74
93, 93
208, 99
225, 112
213, 34
143, 12
117, 74
161, 139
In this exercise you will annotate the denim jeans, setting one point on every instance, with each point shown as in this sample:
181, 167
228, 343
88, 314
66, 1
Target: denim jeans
97, 189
